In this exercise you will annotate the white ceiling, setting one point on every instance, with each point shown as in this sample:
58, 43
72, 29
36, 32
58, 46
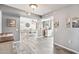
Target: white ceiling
41, 10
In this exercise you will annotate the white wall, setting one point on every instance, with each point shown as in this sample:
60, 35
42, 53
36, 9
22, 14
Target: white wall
0, 22
67, 37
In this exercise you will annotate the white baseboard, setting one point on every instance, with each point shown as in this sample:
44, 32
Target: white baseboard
66, 48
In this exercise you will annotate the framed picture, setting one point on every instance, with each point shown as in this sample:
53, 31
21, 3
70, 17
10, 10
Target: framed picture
75, 22
11, 22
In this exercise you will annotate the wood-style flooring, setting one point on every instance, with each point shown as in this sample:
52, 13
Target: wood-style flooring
59, 50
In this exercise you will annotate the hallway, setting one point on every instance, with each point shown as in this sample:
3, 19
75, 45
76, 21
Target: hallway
37, 28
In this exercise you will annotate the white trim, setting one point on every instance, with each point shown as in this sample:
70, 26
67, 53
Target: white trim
66, 48
0, 21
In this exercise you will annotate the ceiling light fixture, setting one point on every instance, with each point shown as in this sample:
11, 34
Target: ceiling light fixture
33, 6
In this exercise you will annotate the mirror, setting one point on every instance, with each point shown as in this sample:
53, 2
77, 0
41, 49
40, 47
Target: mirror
27, 25
47, 24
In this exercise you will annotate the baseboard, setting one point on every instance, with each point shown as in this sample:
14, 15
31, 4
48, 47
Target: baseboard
66, 48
